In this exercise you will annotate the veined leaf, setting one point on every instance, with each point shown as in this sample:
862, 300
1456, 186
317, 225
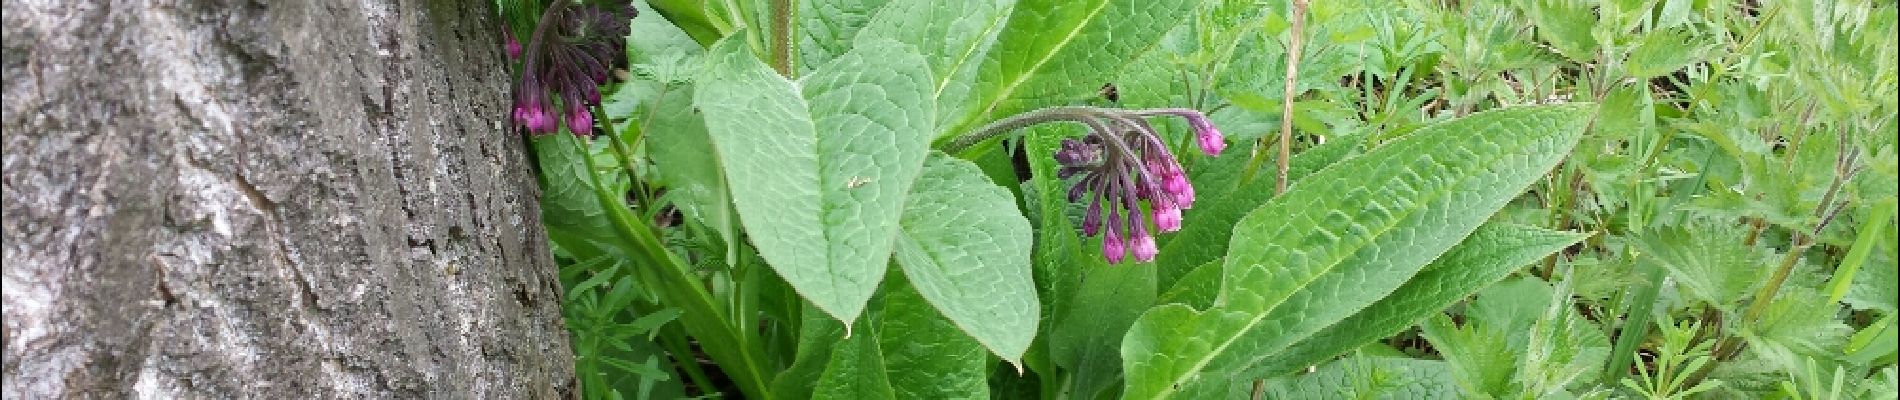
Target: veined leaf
1343, 238
1366, 377
856, 369
955, 36
1709, 261
1491, 253
1087, 339
819, 168
1051, 50
825, 28
966, 247
1206, 228
903, 349
1662, 53
574, 216
924, 354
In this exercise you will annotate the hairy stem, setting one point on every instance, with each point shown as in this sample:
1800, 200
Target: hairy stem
782, 37
1019, 121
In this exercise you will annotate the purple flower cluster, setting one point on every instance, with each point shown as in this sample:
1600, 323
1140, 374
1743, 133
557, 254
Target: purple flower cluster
1123, 163
574, 50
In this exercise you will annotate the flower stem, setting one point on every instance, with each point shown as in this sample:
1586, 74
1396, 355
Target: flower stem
1019, 121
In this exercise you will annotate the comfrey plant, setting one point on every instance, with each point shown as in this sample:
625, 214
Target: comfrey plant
574, 49
1122, 163
842, 234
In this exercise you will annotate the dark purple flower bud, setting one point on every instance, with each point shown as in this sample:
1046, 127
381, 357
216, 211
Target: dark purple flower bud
1075, 153
570, 55
1066, 172
580, 122
512, 46
1092, 220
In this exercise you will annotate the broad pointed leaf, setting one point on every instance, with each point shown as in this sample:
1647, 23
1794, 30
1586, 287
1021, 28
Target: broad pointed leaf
924, 354
1341, 239
825, 28
1051, 50
1490, 254
819, 168
966, 248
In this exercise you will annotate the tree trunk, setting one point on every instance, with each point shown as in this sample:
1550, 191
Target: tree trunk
272, 199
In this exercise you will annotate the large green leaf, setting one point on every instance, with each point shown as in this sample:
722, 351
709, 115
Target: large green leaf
856, 369
1491, 253
819, 168
825, 28
575, 219
1087, 339
1341, 239
966, 247
902, 349
1224, 197
953, 35
1054, 50
924, 354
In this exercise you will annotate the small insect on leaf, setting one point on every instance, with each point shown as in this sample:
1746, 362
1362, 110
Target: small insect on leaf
1111, 93
856, 181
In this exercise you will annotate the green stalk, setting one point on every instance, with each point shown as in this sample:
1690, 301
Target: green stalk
1286, 98
1870, 230
1635, 324
701, 315
676, 342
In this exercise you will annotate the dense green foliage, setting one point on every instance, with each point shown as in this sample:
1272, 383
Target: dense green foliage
1524, 199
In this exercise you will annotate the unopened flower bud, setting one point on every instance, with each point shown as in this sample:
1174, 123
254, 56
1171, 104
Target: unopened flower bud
580, 122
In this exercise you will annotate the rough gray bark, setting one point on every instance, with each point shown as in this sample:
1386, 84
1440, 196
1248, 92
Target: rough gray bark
273, 199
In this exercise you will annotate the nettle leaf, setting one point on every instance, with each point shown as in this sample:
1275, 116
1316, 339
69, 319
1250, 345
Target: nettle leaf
1566, 25
825, 28
966, 247
856, 369
1343, 238
1709, 261
1054, 50
1490, 254
819, 168
1519, 338
1662, 53
1367, 377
